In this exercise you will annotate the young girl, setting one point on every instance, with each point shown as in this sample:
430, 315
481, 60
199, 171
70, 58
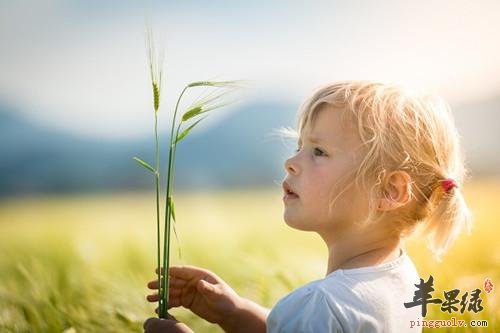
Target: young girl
373, 162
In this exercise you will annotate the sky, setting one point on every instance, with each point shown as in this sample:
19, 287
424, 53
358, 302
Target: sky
80, 66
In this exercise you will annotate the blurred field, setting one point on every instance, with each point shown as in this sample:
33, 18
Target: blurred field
81, 263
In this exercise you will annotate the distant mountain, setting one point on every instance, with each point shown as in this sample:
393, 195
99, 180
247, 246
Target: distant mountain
239, 150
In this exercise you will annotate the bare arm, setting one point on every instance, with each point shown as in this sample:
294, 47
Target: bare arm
249, 317
211, 298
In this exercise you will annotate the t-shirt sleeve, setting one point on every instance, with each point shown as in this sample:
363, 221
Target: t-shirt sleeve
309, 312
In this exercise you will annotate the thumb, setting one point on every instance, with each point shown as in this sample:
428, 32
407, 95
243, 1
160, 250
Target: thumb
206, 289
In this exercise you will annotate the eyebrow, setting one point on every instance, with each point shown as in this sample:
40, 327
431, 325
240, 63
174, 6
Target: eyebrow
312, 139
316, 140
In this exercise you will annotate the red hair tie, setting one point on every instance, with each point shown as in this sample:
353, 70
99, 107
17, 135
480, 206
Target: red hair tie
448, 184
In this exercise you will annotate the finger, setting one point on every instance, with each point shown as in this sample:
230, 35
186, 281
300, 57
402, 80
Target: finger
176, 283
148, 322
158, 324
163, 325
207, 289
192, 272
172, 294
174, 303
186, 271
162, 270
175, 292
153, 284
173, 299
173, 282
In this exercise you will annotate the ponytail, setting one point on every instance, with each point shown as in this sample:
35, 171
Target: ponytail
448, 215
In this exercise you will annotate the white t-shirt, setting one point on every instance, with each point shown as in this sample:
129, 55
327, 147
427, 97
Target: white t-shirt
359, 300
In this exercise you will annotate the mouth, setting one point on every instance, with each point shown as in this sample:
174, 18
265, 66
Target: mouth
289, 193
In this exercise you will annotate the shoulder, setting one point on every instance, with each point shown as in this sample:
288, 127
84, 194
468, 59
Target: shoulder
307, 309
370, 298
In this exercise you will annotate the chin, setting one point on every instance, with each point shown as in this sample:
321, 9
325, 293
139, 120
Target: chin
296, 223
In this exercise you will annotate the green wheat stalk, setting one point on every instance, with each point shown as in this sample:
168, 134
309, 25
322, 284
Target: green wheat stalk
190, 118
156, 74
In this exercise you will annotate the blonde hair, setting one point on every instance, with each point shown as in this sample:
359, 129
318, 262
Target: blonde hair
401, 130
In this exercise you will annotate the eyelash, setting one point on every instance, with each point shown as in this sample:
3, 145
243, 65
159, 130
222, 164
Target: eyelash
315, 150
321, 152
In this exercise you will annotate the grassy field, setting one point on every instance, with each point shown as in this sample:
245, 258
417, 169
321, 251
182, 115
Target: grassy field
81, 263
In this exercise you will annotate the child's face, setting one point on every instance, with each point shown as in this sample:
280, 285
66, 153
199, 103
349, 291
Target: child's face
328, 152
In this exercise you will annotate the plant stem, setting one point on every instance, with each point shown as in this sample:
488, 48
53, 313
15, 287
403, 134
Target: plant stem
157, 181
168, 213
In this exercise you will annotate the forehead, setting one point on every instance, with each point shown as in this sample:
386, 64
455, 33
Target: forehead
332, 125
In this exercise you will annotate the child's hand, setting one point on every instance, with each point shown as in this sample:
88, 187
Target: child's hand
201, 291
171, 325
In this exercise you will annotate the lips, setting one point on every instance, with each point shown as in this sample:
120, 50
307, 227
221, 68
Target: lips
289, 193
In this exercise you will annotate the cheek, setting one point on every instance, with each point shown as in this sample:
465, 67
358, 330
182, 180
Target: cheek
351, 204
329, 194
321, 188
318, 196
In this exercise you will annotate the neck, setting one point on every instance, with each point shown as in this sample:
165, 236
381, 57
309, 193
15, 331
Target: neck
361, 249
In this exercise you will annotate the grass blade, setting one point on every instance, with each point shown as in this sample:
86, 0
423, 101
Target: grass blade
187, 130
144, 164
172, 211
172, 206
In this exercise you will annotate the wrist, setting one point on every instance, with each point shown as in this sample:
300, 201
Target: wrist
248, 316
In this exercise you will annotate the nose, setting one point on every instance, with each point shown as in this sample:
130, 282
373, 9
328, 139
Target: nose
291, 165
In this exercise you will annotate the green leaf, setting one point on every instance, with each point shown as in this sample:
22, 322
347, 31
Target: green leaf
193, 112
172, 212
172, 207
144, 164
187, 130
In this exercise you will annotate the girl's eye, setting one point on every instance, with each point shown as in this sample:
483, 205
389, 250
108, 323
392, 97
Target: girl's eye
316, 151
319, 152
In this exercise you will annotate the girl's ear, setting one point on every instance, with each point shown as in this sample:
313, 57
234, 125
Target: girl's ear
396, 191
